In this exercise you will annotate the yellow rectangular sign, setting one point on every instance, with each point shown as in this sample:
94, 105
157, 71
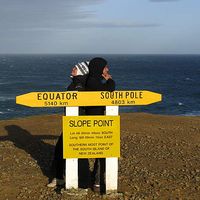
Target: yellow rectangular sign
102, 98
91, 136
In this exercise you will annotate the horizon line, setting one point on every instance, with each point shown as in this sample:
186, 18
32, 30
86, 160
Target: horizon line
99, 53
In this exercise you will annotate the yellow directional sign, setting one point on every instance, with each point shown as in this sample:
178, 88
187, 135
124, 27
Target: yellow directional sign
91, 136
102, 98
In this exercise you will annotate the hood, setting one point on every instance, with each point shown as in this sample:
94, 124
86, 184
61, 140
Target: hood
96, 67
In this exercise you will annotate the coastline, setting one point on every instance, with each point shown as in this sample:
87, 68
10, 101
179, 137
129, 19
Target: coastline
159, 156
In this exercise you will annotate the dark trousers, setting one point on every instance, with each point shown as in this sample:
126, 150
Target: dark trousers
84, 176
98, 174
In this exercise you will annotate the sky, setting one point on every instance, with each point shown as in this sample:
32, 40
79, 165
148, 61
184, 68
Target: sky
100, 26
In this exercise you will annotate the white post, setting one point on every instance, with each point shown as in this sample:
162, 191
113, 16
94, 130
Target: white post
71, 165
112, 163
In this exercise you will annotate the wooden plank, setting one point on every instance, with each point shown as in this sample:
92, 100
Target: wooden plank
71, 172
111, 163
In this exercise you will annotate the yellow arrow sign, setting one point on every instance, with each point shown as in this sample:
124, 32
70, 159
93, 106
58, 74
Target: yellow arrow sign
102, 98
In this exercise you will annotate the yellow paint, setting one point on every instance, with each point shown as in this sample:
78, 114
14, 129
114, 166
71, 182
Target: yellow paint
91, 136
103, 98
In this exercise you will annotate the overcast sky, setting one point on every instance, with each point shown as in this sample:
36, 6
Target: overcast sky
100, 26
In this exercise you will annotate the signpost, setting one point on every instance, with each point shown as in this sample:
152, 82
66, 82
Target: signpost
90, 136
65, 99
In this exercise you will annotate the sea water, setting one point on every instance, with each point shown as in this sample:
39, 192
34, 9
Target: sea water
176, 77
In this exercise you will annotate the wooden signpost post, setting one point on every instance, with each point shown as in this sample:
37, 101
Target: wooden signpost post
90, 136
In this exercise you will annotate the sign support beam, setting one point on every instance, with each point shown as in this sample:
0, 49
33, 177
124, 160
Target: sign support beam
112, 163
71, 165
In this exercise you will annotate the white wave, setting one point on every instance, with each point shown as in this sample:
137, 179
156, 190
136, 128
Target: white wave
1, 113
180, 104
5, 83
193, 113
6, 98
188, 79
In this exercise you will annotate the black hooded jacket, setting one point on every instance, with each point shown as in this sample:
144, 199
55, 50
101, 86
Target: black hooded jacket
95, 83
78, 84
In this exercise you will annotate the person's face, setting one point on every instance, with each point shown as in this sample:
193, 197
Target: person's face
74, 71
106, 70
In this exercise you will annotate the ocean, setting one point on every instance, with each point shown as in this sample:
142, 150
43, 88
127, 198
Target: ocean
176, 77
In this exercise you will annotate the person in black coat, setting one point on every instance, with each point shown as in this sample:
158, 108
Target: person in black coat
99, 79
79, 76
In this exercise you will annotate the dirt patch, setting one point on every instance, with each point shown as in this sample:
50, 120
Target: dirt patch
160, 158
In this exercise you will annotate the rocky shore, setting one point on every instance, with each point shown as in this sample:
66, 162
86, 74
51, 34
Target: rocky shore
160, 158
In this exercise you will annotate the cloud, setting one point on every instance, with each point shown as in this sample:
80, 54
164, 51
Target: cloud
115, 24
88, 25
163, 0
43, 13
60, 15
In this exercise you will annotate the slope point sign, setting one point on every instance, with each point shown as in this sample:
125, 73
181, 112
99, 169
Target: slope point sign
91, 136
102, 98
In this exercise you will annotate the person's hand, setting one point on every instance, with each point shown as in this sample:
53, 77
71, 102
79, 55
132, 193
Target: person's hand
107, 76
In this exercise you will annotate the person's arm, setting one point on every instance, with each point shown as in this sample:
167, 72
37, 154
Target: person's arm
109, 85
95, 85
78, 83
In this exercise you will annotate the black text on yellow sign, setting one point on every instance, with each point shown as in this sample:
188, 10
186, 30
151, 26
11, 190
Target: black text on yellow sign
103, 98
91, 136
